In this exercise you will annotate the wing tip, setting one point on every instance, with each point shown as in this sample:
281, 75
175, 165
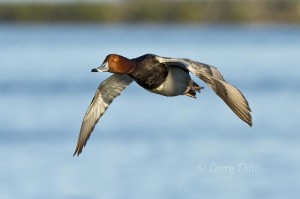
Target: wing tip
249, 123
244, 115
247, 119
77, 151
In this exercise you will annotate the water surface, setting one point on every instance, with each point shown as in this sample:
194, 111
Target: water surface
146, 145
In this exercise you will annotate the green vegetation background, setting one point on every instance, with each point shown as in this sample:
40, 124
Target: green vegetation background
215, 11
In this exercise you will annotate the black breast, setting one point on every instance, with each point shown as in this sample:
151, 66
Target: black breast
149, 73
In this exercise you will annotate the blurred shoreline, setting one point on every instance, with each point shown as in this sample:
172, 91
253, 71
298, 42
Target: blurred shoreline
247, 11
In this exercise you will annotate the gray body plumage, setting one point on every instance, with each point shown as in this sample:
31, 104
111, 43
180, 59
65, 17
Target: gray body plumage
177, 82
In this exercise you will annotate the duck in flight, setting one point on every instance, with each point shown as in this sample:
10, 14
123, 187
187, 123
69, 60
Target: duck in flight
161, 75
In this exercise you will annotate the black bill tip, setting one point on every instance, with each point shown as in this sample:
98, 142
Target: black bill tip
94, 70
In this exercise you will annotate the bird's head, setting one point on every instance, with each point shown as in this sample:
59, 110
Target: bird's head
115, 63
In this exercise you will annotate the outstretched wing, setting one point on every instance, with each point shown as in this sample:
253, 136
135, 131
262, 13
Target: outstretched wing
232, 96
105, 94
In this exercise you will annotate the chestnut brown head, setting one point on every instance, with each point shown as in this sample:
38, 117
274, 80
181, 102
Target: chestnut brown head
115, 64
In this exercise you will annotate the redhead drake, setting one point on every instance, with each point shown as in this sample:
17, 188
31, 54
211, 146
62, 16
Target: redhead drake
162, 75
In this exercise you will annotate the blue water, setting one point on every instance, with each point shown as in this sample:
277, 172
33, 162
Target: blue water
146, 145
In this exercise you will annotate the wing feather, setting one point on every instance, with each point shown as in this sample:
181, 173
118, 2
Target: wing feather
105, 94
232, 96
